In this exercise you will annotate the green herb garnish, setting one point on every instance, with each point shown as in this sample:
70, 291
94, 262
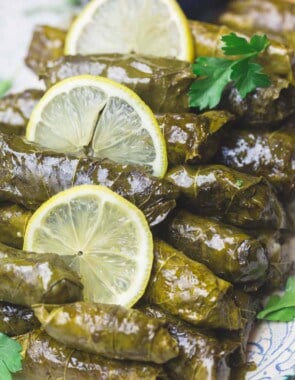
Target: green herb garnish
10, 357
53, 8
239, 182
281, 309
5, 85
217, 73
74, 2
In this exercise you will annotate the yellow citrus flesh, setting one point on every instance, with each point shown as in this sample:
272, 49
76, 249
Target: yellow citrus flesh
101, 236
101, 116
151, 27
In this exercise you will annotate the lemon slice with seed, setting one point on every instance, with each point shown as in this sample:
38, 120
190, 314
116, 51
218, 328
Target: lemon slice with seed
102, 118
105, 238
153, 27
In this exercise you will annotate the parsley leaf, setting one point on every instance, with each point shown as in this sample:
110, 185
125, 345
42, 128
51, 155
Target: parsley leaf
235, 45
259, 43
5, 85
216, 73
10, 357
281, 308
207, 92
247, 76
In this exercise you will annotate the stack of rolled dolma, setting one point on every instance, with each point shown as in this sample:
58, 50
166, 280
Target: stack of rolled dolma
219, 218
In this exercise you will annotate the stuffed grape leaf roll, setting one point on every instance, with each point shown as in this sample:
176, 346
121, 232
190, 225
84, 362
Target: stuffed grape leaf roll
274, 17
16, 320
228, 251
44, 358
16, 109
30, 278
162, 83
189, 137
202, 355
192, 138
278, 245
239, 199
265, 106
13, 223
263, 153
47, 43
190, 291
249, 305
29, 176
112, 331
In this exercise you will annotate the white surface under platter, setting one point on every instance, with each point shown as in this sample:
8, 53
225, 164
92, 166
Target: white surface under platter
272, 345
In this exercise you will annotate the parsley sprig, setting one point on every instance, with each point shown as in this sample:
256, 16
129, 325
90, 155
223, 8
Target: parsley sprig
10, 357
5, 85
281, 309
216, 73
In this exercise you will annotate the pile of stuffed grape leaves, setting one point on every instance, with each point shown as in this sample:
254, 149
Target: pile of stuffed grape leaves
221, 218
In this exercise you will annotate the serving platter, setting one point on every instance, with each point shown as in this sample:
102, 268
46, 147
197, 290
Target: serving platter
272, 345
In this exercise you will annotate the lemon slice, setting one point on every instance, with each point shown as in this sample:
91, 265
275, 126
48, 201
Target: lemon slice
105, 238
101, 117
153, 27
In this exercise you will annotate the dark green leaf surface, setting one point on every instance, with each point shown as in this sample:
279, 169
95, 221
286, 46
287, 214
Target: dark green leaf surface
278, 248
32, 175
263, 107
264, 153
201, 354
162, 83
16, 109
237, 198
276, 18
46, 359
192, 138
228, 251
180, 286
13, 223
47, 43
112, 331
16, 320
39, 278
